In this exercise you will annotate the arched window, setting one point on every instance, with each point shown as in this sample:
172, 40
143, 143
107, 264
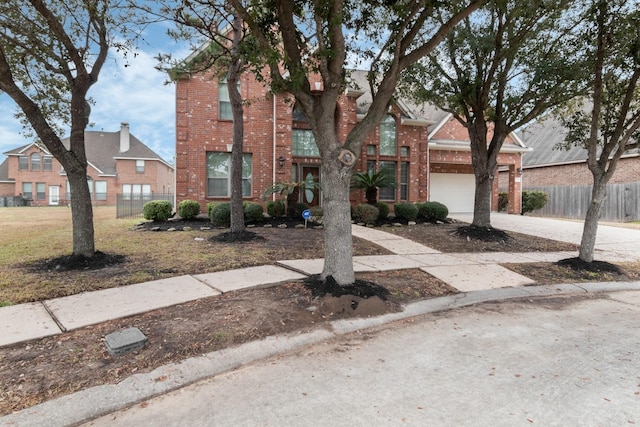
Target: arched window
35, 162
388, 136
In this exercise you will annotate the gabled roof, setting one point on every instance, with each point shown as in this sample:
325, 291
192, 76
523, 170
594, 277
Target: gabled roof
543, 136
411, 114
23, 148
449, 134
103, 148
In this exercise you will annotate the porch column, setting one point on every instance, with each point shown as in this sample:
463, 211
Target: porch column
515, 189
495, 193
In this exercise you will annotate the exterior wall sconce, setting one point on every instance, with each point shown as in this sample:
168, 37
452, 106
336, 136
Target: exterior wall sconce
281, 161
519, 170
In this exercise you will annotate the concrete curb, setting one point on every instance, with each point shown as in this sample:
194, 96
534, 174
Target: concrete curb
101, 400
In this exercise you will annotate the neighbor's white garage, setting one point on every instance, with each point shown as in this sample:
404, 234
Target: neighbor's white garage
456, 191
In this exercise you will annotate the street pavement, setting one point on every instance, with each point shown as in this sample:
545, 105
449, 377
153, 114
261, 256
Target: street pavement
568, 361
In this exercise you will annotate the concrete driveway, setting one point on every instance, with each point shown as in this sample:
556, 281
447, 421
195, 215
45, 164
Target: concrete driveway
611, 239
556, 361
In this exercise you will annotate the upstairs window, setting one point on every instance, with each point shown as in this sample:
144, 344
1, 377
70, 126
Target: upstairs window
304, 144
47, 163
388, 136
224, 103
35, 162
23, 163
139, 166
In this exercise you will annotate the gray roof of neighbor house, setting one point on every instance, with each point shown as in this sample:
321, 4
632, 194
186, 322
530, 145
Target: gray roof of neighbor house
543, 136
103, 148
4, 171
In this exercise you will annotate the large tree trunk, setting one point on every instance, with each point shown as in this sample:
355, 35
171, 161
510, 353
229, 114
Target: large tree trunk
590, 229
81, 213
338, 249
482, 201
233, 75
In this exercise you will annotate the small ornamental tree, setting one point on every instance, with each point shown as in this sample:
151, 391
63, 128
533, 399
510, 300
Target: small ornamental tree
370, 182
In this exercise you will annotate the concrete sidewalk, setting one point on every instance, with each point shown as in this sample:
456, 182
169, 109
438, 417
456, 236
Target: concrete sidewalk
464, 271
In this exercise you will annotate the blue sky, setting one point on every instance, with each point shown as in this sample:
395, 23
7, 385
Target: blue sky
135, 94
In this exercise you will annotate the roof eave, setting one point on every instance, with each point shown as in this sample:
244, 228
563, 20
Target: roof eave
465, 146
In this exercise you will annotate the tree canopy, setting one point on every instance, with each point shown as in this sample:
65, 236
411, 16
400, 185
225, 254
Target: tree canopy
51, 53
306, 44
498, 70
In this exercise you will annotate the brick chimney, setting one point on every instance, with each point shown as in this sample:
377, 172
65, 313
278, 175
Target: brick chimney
125, 142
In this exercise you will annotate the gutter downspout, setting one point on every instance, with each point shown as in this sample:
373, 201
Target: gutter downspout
273, 163
428, 170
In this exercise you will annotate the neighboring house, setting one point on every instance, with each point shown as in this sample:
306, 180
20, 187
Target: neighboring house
279, 145
564, 174
549, 166
118, 164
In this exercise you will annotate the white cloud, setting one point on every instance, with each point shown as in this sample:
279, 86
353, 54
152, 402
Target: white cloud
135, 94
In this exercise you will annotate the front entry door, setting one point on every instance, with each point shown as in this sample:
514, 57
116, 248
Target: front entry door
311, 196
54, 195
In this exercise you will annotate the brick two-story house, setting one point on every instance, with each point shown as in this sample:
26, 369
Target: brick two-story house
279, 146
119, 163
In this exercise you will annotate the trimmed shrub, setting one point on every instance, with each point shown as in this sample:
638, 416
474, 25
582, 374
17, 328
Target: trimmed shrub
157, 210
432, 211
188, 209
253, 212
383, 210
275, 209
210, 206
503, 201
366, 213
532, 200
300, 207
316, 212
406, 211
220, 214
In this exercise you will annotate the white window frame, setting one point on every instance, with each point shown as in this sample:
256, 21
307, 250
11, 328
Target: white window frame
219, 174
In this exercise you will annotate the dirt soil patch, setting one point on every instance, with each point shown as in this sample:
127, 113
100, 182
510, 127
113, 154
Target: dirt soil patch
40, 370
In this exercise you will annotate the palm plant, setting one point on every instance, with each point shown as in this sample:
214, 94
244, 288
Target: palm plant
370, 182
289, 192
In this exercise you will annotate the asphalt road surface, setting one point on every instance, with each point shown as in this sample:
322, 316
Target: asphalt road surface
565, 361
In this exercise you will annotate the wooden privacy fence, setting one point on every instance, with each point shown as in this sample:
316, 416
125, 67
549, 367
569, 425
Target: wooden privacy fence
130, 205
571, 201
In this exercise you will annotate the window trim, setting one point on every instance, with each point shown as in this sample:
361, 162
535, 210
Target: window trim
38, 158
306, 151
224, 99
388, 121
41, 195
27, 194
23, 163
247, 178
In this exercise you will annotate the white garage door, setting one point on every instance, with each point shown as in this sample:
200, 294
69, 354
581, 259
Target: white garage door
455, 190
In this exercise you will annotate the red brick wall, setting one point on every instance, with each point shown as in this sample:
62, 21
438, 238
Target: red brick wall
198, 131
